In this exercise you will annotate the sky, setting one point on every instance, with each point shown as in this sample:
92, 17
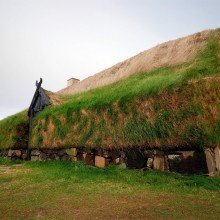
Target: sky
60, 39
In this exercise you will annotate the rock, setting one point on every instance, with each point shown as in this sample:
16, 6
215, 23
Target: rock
217, 157
160, 163
210, 160
149, 162
149, 153
117, 161
122, 165
48, 151
16, 153
51, 156
74, 159
66, 158
9, 153
42, 157
57, 157
175, 157
88, 159
188, 153
3, 153
61, 152
71, 151
24, 156
101, 161
35, 152
106, 153
34, 158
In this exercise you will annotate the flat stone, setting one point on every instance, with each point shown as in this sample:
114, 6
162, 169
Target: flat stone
150, 162
52, 156
186, 154
24, 156
74, 159
101, 161
42, 157
16, 153
35, 152
9, 153
57, 157
122, 165
106, 153
117, 161
66, 158
71, 151
217, 157
210, 160
160, 163
34, 158
3, 153
175, 157
61, 152
149, 153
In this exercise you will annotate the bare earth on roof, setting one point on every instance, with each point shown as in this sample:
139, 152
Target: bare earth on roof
167, 54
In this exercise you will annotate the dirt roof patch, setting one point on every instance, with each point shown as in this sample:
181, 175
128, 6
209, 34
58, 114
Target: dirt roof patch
167, 54
54, 98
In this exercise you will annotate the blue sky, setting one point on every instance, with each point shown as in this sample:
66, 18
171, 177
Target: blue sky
59, 39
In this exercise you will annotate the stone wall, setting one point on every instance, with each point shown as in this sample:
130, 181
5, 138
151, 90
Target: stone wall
186, 162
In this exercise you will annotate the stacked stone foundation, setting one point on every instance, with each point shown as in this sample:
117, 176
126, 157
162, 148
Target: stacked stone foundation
181, 161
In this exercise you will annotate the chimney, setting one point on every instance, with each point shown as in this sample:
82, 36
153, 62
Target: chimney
72, 81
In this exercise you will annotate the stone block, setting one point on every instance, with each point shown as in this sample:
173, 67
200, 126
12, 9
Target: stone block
66, 158
123, 165
24, 156
71, 151
3, 153
175, 157
117, 161
186, 154
217, 157
49, 151
9, 153
210, 160
88, 159
52, 156
42, 157
34, 158
101, 161
16, 153
61, 152
149, 162
160, 163
57, 157
35, 152
149, 153
106, 153
74, 159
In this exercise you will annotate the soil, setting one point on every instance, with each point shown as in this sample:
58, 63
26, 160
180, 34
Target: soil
167, 54
54, 98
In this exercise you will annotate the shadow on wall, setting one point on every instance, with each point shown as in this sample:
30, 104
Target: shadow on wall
188, 162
